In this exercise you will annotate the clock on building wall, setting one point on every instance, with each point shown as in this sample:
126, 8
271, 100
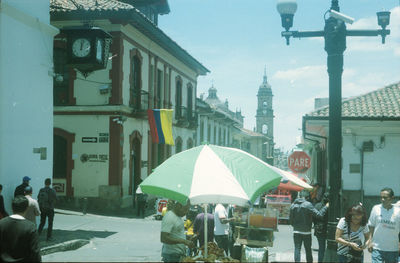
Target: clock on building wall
87, 48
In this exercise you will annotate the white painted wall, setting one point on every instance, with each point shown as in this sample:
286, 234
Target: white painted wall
381, 167
26, 93
86, 176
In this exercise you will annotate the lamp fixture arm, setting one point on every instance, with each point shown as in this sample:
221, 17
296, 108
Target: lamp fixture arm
301, 34
369, 33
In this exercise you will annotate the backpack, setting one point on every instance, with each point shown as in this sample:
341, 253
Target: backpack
43, 199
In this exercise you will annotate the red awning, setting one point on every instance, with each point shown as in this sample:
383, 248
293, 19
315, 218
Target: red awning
290, 187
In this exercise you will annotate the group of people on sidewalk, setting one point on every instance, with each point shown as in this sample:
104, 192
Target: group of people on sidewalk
19, 234
354, 232
176, 244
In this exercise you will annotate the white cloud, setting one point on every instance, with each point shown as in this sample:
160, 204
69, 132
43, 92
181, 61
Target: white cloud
308, 75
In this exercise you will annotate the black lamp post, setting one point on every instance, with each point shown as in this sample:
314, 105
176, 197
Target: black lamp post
335, 34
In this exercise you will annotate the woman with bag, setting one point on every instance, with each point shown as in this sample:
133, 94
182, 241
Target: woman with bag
351, 231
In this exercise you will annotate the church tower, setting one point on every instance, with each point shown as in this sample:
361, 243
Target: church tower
265, 115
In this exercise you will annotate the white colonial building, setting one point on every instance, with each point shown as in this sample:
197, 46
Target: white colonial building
101, 133
26, 101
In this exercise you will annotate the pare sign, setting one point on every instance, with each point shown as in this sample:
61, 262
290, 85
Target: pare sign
299, 162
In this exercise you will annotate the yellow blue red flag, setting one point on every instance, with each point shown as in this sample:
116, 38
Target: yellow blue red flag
160, 121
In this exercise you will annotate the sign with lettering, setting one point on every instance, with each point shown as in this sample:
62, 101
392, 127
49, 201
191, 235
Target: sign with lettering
299, 162
89, 139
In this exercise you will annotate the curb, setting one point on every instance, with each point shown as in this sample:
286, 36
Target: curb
65, 246
67, 212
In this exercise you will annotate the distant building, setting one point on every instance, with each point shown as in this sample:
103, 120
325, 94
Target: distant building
215, 121
281, 159
265, 118
371, 144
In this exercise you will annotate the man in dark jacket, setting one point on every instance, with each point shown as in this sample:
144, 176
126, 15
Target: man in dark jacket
301, 217
18, 236
321, 227
19, 190
46, 199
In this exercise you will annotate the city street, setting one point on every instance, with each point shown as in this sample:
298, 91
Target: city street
115, 239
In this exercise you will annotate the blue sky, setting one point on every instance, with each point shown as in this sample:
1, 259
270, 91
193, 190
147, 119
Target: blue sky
236, 39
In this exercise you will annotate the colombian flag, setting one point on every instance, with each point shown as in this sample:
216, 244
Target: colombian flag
160, 121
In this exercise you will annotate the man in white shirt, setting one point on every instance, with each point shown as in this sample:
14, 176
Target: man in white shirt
384, 225
173, 234
221, 227
33, 208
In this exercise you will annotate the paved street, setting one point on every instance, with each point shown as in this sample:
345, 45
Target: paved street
113, 239
117, 239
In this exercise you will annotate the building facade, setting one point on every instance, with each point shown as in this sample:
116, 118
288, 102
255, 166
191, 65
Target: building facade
371, 144
26, 108
103, 146
216, 122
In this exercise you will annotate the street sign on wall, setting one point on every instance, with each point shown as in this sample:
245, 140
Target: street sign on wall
299, 162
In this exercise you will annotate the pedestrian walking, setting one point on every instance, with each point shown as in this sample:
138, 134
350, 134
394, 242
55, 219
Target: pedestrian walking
198, 228
18, 236
384, 226
321, 227
33, 207
3, 212
301, 217
141, 204
173, 234
47, 198
19, 190
352, 235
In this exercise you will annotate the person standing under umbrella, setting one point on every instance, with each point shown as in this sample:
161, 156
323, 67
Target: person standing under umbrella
198, 227
221, 227
173, 234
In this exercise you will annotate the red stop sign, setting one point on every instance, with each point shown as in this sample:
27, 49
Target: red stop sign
299, 162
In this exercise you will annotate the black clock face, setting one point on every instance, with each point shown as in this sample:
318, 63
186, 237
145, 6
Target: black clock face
81, 47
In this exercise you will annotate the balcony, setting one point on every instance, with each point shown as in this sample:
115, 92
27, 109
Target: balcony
140, 103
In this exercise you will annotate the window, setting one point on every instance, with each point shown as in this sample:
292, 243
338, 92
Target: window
178, 98
201, 131
61, 85
137, 100
265, 129
189, 143
190, 101
178, 145
215, 134
159, 94
209, 133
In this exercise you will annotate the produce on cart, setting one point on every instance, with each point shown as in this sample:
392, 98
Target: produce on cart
215, 254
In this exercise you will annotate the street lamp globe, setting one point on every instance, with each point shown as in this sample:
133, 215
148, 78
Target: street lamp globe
287, 8
383, 18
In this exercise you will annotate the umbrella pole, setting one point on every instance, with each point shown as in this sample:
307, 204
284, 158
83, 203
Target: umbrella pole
205, 231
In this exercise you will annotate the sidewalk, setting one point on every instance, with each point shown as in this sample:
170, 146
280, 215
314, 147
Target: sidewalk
64, 240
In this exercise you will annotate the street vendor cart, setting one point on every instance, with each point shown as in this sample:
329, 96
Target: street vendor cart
252, 238
282, 204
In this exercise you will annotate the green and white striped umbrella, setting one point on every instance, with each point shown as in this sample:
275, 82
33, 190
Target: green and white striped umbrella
212, 174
